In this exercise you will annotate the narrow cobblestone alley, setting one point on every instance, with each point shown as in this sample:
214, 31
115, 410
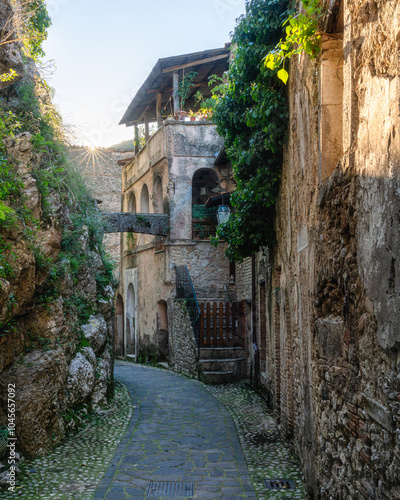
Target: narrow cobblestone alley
182, 434
219, 442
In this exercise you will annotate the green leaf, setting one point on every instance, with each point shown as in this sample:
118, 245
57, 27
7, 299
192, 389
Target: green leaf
283, 75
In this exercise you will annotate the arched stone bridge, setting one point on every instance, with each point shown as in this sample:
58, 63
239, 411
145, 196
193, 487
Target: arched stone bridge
121, 222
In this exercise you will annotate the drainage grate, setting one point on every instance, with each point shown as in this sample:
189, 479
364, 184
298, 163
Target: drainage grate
279, 484
170, 489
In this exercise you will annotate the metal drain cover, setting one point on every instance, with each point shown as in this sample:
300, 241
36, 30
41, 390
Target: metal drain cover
170, 489
279, 484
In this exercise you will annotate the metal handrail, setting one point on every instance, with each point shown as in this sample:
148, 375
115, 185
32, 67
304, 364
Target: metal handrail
194, 293
185, 290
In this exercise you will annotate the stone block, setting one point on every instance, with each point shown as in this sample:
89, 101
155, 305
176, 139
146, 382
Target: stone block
330, 331
379, 413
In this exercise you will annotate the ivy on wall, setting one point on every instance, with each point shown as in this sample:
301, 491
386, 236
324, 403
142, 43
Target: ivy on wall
251, 112
301, 34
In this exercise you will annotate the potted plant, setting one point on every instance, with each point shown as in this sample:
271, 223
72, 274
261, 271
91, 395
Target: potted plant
206, 106
192, 115
183, 92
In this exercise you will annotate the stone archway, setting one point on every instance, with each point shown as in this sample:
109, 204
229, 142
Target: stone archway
130, 317
132, 203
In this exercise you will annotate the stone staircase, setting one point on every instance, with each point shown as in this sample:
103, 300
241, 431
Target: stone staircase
222, 365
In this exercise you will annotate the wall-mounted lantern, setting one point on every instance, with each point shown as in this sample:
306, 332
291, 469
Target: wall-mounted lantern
223, 211
223, 214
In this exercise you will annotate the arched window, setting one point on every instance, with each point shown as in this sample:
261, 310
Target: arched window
158, 196
203, 218
144, 200
204, 181
132, 203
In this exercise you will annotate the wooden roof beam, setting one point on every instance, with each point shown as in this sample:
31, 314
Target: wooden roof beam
195, 63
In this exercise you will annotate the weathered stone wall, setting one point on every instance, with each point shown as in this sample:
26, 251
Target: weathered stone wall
208, 267
183, 344
332, 305
243, 280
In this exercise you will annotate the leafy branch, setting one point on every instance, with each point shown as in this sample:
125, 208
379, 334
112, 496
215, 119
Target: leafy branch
301, 36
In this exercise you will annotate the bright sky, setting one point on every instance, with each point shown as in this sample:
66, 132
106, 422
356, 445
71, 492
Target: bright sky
104, 51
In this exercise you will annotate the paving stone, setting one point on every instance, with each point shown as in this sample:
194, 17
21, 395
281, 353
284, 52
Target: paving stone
255, 427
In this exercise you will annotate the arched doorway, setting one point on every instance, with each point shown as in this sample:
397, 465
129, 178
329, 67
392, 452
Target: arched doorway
119, 330
132, 203
144, 200
162, 330
203, 218
130, 326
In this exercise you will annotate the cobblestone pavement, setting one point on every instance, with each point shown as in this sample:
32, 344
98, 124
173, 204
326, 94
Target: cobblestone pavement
73, 469
181, 434
266, 455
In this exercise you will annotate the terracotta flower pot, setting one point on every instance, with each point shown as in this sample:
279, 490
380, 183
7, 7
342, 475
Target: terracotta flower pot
180, 115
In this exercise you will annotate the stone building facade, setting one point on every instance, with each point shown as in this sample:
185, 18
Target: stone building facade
160, 179
175, 173
326, 321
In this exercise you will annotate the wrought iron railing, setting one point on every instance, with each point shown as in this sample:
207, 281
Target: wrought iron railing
203, 229
185, 290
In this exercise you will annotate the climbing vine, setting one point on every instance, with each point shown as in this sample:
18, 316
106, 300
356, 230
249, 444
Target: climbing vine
302, 35
251, 112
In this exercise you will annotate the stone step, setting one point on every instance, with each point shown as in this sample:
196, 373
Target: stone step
211, 299
221, 365
217, 377
221, 352
234, 367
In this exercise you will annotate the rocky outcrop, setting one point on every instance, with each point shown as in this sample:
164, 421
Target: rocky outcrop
56, 309
96, 332
81, 376
40, 379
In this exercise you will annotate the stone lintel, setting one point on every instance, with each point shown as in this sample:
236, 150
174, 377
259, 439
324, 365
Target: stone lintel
117, 222
379, 413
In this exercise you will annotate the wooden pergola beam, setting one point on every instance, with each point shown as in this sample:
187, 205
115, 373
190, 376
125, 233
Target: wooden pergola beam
158, 110
175, 95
